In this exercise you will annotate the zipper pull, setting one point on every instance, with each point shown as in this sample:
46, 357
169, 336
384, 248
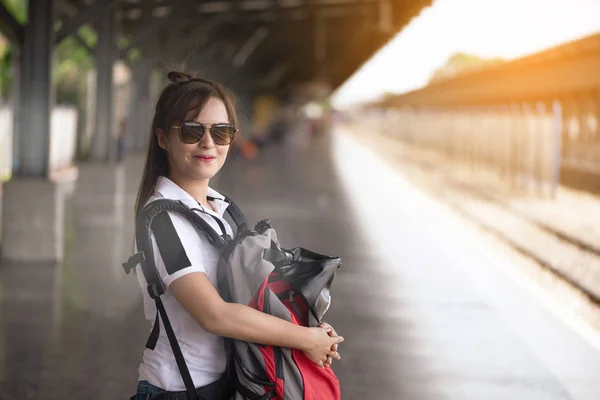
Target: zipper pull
294, 306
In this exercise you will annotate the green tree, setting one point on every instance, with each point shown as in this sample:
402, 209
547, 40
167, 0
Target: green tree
73, 62
460, 63
18, 8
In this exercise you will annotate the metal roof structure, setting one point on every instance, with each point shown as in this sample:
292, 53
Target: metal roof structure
272, 42
565, 71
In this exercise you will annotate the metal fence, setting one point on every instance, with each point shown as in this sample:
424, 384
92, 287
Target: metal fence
520, 142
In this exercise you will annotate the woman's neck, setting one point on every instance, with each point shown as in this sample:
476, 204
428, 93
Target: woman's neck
196, 188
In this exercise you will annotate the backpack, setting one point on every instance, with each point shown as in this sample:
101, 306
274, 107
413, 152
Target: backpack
254, 270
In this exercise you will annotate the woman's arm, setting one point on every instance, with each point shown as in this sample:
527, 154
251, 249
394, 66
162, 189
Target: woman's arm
201, 300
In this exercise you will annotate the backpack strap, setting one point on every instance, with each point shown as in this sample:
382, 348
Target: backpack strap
181, 365
236, 215
144, 226
154, 217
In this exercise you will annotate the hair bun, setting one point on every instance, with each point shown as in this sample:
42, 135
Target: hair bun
176, 76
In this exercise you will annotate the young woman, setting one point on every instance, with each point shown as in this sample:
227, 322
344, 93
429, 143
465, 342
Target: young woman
193, 127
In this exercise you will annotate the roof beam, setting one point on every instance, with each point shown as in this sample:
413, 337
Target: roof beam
141, 36
250, 45
10, 27
290, 15
83, 17
216, 7
150, 24
274, 76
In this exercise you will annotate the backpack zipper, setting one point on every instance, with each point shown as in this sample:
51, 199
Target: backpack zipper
278, 363
294, 305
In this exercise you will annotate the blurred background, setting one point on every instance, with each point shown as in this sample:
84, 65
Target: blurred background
447, 150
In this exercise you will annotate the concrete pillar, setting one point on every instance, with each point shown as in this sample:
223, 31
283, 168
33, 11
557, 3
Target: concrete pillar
33, 206
16, 101
104, 140
37, 96
100, 192
131, 127
100, 184
140, 115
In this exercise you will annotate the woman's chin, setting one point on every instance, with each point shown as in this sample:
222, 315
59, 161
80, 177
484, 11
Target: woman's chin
204, 173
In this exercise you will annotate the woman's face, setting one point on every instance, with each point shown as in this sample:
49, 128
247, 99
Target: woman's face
202, 160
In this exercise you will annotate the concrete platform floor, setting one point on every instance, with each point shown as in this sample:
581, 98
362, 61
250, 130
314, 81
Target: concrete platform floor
427, 308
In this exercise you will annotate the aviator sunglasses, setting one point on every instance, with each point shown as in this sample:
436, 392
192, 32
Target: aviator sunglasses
191, 132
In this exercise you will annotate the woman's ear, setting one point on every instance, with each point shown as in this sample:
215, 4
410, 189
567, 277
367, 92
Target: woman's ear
161, 135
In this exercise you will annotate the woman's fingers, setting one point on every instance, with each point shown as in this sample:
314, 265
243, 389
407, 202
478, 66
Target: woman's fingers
335, 341
338, 340
331, 332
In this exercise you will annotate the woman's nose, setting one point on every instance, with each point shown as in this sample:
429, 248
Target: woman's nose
207, 140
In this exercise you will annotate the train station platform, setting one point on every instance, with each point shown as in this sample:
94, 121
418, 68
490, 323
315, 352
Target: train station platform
430, 307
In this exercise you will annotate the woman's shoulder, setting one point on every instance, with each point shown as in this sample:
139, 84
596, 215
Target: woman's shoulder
153, 197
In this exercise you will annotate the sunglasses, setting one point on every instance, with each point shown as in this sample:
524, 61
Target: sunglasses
191, 132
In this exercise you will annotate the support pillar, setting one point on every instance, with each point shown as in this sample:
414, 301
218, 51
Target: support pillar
37, 97
99, 190
140, 115
33, 206
104, 140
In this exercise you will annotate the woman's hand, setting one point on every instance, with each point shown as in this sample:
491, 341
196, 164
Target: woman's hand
332, 333
321, 346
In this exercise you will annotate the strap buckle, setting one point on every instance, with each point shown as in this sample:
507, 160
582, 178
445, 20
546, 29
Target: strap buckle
133, 261
155, 290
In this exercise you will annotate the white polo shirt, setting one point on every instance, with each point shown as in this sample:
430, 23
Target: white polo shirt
203, 352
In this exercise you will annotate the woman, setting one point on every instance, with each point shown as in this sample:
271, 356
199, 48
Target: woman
193, 127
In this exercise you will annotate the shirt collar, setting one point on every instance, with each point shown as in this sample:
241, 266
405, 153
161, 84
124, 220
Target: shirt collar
170, 190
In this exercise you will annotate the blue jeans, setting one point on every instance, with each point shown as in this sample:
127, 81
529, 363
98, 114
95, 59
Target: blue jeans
147, 391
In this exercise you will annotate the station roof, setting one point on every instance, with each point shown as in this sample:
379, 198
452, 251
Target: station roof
566, 71
273, 42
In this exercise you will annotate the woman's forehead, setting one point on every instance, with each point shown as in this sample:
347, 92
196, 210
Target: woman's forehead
213, 111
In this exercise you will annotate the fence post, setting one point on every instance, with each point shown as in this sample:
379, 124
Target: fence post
558, 120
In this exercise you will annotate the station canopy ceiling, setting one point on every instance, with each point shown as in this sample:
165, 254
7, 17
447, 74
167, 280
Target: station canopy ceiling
273, 43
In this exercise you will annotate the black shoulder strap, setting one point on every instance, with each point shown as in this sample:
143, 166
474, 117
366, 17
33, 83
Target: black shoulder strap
181, 365
143, 232
234, 212
157, 211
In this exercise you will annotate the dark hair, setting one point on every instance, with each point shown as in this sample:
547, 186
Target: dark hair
183, 99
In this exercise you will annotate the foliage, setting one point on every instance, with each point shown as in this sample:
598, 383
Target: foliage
460, 63
72, 60
18, 9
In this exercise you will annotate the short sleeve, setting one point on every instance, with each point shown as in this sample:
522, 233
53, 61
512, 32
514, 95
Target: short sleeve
177, 247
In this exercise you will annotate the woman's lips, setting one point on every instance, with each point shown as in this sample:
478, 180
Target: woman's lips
205, 158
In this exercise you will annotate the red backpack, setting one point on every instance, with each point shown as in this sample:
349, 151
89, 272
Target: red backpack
255, 270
